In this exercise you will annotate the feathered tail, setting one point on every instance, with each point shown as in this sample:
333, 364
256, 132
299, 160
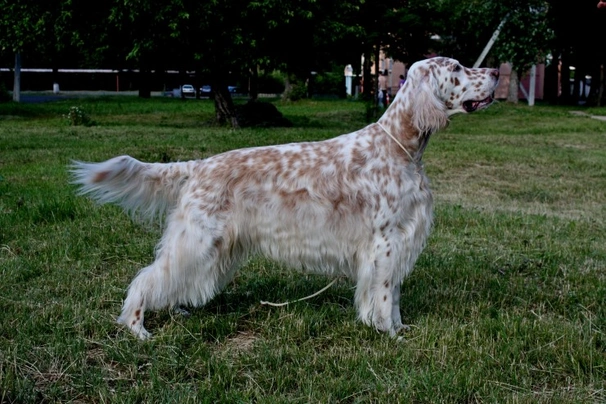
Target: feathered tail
147, 190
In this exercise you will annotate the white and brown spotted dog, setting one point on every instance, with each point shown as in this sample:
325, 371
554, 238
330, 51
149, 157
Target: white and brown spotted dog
357, 205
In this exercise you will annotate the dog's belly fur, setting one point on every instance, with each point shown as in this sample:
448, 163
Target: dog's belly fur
317, 235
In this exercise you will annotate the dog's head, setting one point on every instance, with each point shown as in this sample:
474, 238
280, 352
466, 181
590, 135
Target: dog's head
460, 88
440, 87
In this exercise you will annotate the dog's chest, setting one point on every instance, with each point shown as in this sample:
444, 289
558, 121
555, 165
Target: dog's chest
406, 189
407, 204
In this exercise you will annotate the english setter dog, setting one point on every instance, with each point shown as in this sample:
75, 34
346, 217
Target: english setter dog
357, 205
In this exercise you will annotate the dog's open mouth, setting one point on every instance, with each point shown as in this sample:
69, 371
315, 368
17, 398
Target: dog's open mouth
471, 106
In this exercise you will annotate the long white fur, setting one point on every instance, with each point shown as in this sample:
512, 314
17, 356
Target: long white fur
356, 205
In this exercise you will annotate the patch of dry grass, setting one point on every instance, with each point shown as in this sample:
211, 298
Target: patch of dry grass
558, 171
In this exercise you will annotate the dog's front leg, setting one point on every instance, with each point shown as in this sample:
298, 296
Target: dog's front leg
396, 317
385, 301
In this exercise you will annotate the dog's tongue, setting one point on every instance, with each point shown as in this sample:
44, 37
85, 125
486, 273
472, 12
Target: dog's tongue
471, 106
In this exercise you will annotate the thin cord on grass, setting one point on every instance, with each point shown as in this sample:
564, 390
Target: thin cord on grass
303, 298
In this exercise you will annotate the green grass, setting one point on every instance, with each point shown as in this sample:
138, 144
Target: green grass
507, 303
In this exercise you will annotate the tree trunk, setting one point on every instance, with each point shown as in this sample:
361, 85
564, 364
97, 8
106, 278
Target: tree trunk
514, 84
375, 85
225, 110
144, 88
144, 80
601, 90
182, 80
197, 83
17, 81
253, 84
366, 77
287, 87
566, 95
552, 82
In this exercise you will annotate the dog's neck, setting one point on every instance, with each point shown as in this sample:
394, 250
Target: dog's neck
397, 123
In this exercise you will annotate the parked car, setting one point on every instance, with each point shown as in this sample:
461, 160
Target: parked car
174, 93
187, 90
206, 91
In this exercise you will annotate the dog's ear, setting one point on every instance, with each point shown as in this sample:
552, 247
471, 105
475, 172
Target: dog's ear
429, 113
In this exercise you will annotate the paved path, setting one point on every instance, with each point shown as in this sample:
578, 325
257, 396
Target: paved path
581, 113
38, 97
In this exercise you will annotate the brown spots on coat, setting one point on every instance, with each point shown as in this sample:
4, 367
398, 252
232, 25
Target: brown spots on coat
218, 243
358, 159
100, 176
290, 199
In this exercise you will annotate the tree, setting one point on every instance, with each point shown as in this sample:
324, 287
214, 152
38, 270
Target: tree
402, 29
227, 38
148, 29
309, 37
55, 33
575, 27
524, 40
21, 26
462, 28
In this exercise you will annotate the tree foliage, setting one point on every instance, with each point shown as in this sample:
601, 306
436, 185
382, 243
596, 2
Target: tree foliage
526, 35
222, 39
524, 39
22, 25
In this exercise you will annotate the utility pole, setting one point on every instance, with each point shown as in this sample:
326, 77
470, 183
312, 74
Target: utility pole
491, 42
17, 80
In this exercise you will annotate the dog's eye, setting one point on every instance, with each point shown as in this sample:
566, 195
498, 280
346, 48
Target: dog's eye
456, 68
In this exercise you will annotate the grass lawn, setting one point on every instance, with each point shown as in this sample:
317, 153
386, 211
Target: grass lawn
507, 303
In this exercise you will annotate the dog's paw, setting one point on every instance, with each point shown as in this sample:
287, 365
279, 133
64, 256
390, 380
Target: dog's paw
181, 311
401, 328
135, 326
142, 334
397, 329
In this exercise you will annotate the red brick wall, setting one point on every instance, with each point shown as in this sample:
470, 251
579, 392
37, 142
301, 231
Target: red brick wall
503, 87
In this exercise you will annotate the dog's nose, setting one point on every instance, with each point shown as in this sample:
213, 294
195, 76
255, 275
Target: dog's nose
495, 73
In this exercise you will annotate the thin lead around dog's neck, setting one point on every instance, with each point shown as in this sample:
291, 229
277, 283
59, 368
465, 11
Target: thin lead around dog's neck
397, 142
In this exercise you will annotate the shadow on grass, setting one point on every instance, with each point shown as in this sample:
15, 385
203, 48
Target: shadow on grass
238, 308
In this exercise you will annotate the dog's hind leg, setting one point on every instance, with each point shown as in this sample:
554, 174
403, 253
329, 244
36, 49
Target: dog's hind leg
137, 301
191, 266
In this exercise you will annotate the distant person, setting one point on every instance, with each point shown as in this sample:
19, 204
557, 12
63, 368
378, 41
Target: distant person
402, 81
383, 88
